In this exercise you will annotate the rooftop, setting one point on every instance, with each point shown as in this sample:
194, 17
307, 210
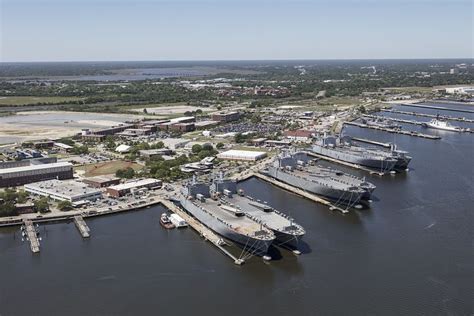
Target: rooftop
134, 184
35, 167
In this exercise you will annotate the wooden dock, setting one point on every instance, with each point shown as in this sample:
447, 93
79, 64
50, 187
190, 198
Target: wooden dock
441, 108
444, 117
82, 226
395, 131
300, 192
31, 234
205, 232
347, 164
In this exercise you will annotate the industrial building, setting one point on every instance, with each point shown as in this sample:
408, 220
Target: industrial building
75, 192
133, 186
225, 117
245, 155
10, 177
151, 153
101, 181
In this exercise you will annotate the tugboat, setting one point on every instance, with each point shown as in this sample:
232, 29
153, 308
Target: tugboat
166, 222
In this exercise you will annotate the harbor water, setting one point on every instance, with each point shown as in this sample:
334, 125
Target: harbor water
410, 253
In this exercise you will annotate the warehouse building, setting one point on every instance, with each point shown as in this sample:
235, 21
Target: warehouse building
133, 186
224, 117
70, 190
101, 181
10, 177
245, 155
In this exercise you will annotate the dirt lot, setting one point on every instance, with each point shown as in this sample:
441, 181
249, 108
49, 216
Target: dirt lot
109, 167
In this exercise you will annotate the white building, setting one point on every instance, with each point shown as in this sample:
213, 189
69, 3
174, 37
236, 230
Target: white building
69, 190
245, 155
460, 90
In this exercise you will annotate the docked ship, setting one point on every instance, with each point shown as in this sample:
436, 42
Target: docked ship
287, 232
402, 157
335, 185
343, 149
381, 122
228, 221
442, 125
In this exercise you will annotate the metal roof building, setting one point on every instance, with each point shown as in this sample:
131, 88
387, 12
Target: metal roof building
69, 190
246, 155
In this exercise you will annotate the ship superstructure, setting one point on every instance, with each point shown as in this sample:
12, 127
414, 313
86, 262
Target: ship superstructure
299, 171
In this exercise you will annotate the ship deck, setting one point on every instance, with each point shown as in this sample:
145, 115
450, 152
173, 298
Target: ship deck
325, 177
271, 219
240, 224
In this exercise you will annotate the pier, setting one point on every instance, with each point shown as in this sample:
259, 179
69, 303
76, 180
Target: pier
347, 164
300, 192
205, 232
31, 234
82, 226
372, 142
444, 117
394, 119
395, 131
441, 108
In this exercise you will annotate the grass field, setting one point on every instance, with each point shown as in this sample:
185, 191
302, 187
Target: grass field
9, 101
109, 167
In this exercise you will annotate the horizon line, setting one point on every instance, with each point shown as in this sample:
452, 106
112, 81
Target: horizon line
234, 60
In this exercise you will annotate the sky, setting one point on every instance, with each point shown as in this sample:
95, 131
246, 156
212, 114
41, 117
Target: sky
122, 30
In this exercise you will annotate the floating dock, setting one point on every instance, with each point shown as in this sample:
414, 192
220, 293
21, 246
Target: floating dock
441, 108
444, 117
396, 131
31, 234
205, 232
373, 142
347, 164
300, 192
82, 226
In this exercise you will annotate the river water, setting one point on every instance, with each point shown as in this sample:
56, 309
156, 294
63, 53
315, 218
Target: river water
409, 254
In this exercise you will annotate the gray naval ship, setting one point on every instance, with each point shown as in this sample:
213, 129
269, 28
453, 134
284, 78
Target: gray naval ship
402, 157
287, 232
343, 149
226, 220
299, 171
380, 122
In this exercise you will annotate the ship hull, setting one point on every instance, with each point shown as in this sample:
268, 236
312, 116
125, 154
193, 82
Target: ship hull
376, 164
253, 245
334, 194
287, 240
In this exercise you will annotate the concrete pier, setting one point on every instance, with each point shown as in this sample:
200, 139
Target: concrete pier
347, 164
82, 226
395, 131
300, 192
444, 117
31, 234
372, 142
205, 232
441, 108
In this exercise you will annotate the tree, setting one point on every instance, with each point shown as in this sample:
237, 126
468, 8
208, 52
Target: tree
7, 209
42, 205
127, 173
66, 141
145, 111
79, 150
207, 147
220, 145
64, 205
196, 148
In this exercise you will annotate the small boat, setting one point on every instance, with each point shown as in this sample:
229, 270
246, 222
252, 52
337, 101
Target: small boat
438, 123
166, 222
